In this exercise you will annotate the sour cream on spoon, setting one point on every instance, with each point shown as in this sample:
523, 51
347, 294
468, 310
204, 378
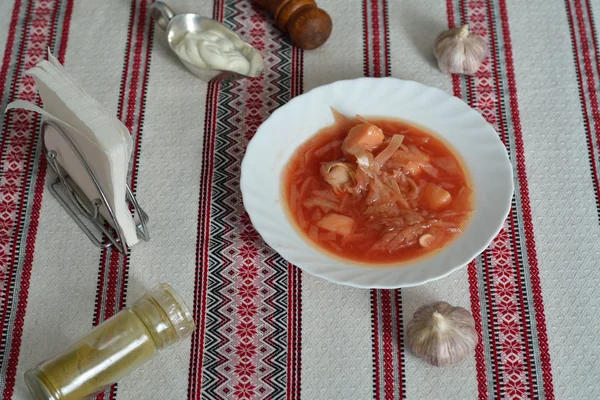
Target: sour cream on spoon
210, 49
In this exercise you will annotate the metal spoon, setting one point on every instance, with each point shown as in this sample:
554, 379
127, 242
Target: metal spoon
176, 26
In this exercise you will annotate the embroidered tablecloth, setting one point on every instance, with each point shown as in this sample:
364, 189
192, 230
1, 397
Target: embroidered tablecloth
266, 329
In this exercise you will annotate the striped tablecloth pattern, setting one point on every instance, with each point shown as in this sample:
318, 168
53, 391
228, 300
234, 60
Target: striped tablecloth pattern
266, 329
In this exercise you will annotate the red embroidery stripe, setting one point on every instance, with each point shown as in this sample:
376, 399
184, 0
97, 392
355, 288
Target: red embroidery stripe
104, 253
17, 204
510, 337
526, 210
114, 256
388, 345
291, 332
594, 38
293, 83
18, 70
204, 213
203, 236
124, 278
297, 358
375, 317
476, 311
248, 280
66, 26
583, 97
32, 233
132, 104
13, 232
241, 283
375, 34
399, 341
298, 280
8, 48
519, 283
111, 287
366, 38
134, 168
386, 45
125, 76
494, 345
118, 264
589, 71
472, 268
294, 275
99, 290
456, 89
468, 79
524, 310
591, 83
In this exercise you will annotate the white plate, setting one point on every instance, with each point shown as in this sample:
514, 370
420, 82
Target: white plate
291, 125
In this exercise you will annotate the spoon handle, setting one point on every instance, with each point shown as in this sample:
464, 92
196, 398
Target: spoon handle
162, 14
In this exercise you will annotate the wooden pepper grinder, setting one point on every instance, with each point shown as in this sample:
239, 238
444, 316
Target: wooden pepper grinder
308, 25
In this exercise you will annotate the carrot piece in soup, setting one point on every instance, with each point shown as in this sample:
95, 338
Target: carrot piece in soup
337, 223
367, 136
435, 197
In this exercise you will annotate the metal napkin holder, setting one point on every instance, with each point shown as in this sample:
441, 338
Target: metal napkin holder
82, 209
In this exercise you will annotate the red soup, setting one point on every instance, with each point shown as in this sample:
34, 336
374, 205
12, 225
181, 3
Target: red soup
377, 191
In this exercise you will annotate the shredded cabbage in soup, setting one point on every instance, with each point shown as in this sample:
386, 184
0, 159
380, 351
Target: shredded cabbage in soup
377, 191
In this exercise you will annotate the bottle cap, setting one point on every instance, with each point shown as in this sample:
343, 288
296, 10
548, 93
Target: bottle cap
174, 308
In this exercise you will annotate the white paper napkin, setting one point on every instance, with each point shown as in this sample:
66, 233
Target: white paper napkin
102, 139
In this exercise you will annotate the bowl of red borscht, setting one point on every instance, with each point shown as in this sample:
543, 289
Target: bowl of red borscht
377, 182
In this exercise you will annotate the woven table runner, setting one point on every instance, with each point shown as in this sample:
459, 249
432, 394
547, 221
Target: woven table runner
266, 330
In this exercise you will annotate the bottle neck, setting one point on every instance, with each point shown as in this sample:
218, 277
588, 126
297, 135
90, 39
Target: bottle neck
165, 316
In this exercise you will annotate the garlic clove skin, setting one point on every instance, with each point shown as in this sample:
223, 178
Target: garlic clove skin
460, 52
441, 334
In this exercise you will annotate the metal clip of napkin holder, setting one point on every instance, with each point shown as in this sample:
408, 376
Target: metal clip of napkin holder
75, 202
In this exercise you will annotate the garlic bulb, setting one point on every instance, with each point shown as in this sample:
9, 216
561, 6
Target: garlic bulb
460, 52
441, 334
